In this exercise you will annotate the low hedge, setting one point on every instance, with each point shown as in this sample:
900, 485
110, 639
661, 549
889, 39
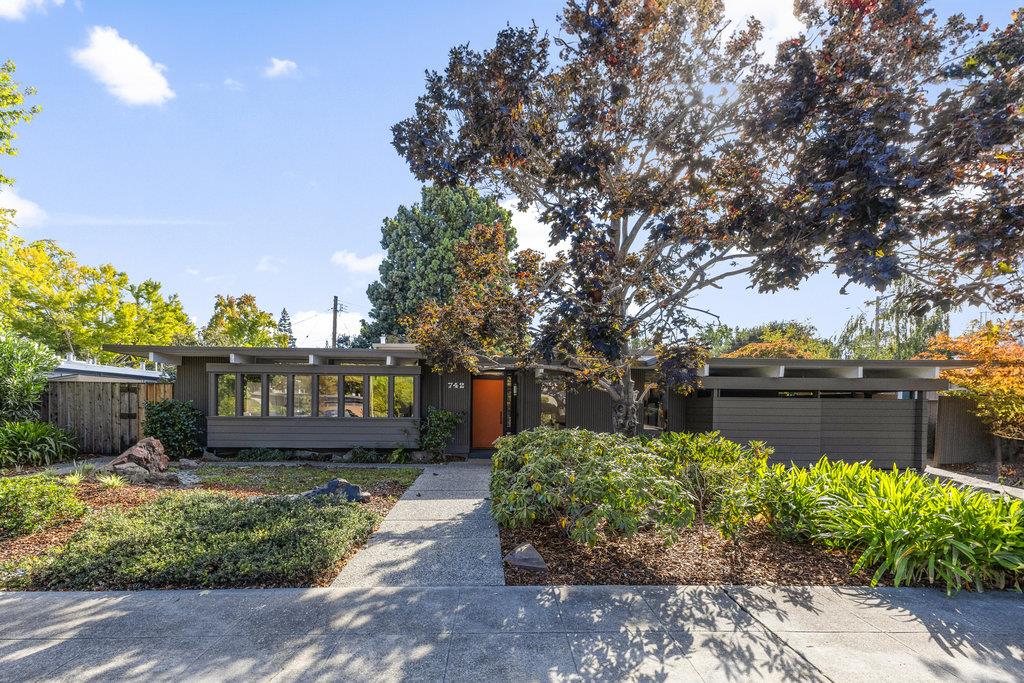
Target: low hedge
206, 540
33, 503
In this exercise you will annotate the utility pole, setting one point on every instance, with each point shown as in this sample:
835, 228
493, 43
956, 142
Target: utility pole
334, 323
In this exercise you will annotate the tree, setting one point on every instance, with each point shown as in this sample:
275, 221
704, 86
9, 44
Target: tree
74, 308
893, 331
487, 316
420, 242
670, 156
787, 336
23, 368
238, 321
779, 345
995, 383
284, 326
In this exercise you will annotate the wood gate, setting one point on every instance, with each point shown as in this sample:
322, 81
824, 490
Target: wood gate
105, 417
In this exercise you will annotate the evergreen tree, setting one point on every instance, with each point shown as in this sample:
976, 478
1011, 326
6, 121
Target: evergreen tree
284, 326
420, 241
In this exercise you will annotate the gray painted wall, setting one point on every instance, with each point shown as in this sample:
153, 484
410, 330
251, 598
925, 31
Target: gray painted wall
960, 436
190, 383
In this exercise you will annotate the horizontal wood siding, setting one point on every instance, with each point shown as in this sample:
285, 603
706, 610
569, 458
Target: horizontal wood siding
789, 425
960, 436
589, 409
311, 432
886, 432
190, 382
698, 415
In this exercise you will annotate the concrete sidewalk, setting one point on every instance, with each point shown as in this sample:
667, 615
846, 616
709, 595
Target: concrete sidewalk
513, 634
440, 533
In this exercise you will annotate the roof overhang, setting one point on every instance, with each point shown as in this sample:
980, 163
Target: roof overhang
174, 355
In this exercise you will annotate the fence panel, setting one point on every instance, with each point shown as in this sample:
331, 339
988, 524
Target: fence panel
106, 417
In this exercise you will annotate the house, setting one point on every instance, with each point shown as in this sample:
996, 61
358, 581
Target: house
334, 399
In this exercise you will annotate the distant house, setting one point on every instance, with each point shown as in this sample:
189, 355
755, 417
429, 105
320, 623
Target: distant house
332, 399
73, 370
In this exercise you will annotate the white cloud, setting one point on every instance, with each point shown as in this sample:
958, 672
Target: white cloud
232, 84
27, 213
270, 264
776, 16
127, 72
278, 68
357, 264
18, 10
531, 233
313, 328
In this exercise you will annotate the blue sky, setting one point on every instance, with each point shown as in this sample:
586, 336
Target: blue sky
234, 147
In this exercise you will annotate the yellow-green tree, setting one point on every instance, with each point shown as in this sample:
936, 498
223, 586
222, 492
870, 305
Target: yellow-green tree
239, 321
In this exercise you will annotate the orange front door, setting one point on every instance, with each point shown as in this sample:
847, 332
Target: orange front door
488, 397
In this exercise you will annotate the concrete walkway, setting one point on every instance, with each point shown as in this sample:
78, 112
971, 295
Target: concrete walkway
513, 634
440, 533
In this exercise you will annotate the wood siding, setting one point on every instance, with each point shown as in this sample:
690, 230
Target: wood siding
455, 393
105, 417
960, 436
190, 382
528, 400
312, 432
589, 409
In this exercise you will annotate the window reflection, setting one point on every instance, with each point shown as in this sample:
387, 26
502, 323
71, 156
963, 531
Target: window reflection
277, 395
378, 396
303, 392
552, 402
327, 395
252, 395
403, 396
226, 395
354, 395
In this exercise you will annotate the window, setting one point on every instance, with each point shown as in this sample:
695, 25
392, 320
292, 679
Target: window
327, 395
378, 396
226, 395
552, 402
354, 395
303, 396
403, 396
277, 395
654, 413
252, 395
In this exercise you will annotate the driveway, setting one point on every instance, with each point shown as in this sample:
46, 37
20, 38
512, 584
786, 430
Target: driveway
513, 633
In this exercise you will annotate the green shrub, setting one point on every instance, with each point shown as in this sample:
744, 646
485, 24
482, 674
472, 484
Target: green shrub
23, 368
262, 455
587, 483
207, 540
180, 426
398, 457
721, 476
437, 429
34, 444
907, 526
33, 503
365, 455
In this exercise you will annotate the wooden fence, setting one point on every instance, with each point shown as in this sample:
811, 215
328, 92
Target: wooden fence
106, 417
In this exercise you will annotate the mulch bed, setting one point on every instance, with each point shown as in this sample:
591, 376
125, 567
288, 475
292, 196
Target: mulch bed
1012, 473
700, 557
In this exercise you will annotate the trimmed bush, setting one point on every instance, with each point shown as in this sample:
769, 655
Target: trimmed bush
34, 444
180, 426
207, 540
587, 483
437, 429
23, 368
904, 525
33, 503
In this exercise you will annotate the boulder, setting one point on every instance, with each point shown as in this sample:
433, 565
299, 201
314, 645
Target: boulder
339, 487
525, 556
148, 454
421, 457
188, 464
188, 479
343, 457
132, 473
210, 457
304, 455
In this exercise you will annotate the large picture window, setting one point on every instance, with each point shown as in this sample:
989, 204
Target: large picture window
277, 395
378, 396
252, 395
403, 396
303, 396
327, 395
226, 395
354, 395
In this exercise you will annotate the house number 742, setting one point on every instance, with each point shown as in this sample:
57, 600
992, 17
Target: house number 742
456, 385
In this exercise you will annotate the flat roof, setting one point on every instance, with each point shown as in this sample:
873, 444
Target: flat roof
174, 354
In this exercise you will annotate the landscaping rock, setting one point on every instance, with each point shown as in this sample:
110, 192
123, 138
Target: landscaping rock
341, 457
525, 556
421, 457
163, 479
148, 454
188, 479
339, 487
304, 455
210, 457
132, 473
188, 464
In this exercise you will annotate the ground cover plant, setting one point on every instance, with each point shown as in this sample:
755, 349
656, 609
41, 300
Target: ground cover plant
32, 503
737, 519
288, 480
30, 443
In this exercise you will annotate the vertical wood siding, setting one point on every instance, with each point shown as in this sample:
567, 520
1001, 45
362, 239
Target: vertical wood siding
105, 417
960, 436
190, 382
589, 409
528, 407
455, 392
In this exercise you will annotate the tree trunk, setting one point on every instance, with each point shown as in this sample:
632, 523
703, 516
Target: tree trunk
999, 457
626, 408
